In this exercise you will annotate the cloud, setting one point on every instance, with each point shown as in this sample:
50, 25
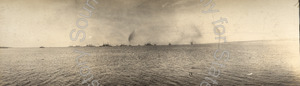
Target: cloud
151, 20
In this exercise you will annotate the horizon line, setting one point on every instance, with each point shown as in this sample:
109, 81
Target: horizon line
144, 44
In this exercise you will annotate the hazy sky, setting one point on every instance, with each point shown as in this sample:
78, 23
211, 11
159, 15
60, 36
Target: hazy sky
31, 23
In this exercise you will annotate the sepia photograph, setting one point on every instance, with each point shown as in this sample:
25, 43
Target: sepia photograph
149, 43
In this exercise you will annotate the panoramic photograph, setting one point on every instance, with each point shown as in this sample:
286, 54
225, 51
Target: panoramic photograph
149, 43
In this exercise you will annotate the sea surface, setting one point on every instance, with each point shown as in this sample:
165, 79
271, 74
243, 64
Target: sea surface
254, 63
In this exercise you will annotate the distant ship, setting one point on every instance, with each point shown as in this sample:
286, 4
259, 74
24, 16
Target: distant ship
42, 47
148, 44
122, 45
106, 45
90, 45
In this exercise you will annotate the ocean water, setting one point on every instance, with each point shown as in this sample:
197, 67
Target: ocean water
259, 63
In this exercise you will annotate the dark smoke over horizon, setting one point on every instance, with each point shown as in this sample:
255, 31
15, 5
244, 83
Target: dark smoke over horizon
131, 36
